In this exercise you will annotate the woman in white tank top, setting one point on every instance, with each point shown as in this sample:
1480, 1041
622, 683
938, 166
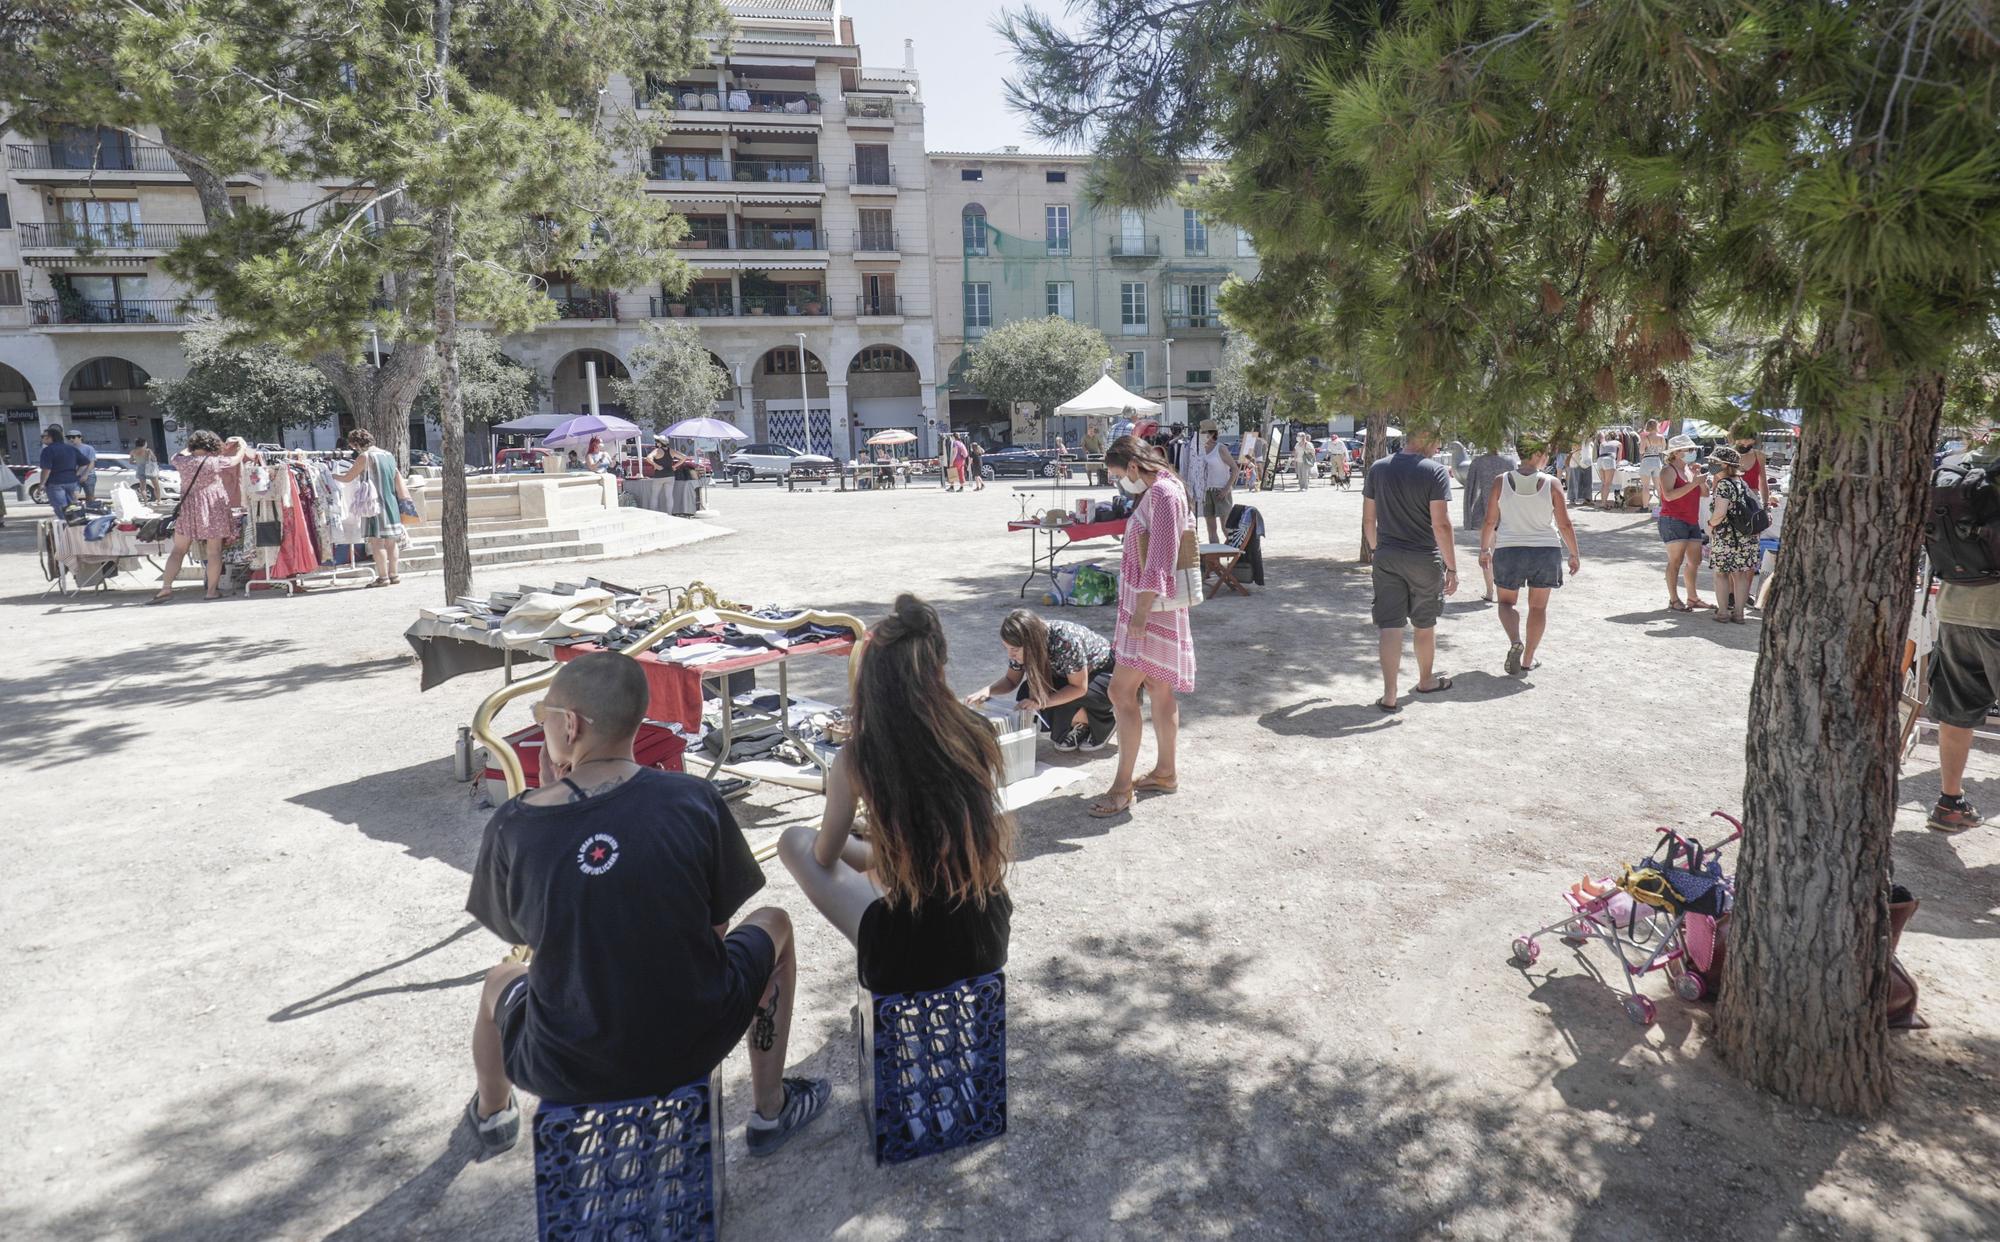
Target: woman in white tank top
1526, 533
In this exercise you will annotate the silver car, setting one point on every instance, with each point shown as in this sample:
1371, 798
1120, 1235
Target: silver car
773, 461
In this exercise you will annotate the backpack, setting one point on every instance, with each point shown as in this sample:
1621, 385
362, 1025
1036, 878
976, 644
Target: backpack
1747, 515
1962, 524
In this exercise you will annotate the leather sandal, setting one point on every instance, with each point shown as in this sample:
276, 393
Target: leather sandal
1106, 808
1151, 783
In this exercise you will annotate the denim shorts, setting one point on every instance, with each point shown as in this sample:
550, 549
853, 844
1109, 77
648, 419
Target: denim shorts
1536, 568
1673, 530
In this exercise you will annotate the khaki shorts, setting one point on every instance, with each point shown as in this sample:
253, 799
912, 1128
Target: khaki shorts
1409, 588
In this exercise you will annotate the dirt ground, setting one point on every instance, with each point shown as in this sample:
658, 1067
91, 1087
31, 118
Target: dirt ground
239, 979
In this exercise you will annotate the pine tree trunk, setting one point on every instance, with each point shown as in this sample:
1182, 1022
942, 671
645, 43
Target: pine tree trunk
1805, 987
444, 277
1372, 447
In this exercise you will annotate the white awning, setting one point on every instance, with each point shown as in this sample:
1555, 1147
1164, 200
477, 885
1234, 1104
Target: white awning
778, 200
775, 62
748, 259
765, 131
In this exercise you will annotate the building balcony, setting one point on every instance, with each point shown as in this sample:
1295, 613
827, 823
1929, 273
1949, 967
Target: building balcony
79, 235
885, 306
807, 175
880, 242
1195, 323
697, 169
751, 306
1122, 247
110, 312
871, 180
745, 103
590, 306
878, 110
103, 163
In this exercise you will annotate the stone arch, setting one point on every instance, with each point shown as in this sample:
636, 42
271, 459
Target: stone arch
110, 405
973, 229
569, 390
885, 390
774, 390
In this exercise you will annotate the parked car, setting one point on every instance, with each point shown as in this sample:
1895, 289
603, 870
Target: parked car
113, 470
1021, 461
773, 461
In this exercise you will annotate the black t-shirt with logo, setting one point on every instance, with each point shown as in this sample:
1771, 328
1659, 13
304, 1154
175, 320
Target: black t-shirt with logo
618, 895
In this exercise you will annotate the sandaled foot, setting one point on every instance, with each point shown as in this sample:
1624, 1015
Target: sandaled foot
1674, 605
1514, 658
1439, 686
1387, 706
1696, 605
1718, 615
1112, 804
164, 597
1153, 782
213, 595
379, 582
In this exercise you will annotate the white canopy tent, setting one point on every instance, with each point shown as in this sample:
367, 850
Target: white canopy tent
1107, 398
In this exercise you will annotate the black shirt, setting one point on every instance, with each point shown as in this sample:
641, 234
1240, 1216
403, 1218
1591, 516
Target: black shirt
1403, 485
619, 896
898, 951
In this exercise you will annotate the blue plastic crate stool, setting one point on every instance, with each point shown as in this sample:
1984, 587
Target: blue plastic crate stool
644, 1170
934, 1067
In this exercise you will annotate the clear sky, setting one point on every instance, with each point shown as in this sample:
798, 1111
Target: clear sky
962, 62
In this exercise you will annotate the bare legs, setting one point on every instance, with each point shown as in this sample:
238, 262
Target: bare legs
1166, 733
1954, 745
211, 570
383, 553
1683, 565
486, 1060
1425, 643
1126, 684
1732, 595
1690, 571
1128, 688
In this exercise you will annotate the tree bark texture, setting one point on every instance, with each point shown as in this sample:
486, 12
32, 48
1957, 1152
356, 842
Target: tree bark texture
451, 408
1803, 1010
1373, 446
379, 398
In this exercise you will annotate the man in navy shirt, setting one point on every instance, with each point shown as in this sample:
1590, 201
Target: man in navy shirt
1406, 519
86, 474
60, 464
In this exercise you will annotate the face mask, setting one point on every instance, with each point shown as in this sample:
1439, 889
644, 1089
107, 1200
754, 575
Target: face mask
1132, 486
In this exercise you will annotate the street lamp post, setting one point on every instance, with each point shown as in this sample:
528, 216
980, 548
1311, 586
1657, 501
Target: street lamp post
1170, 381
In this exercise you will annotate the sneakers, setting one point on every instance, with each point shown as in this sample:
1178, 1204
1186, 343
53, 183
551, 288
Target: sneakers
1087, 743
1948, 818
1067, 741
804, 1099
497, 1133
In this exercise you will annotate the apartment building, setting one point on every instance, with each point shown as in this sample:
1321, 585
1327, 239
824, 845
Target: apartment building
1017, 240
801, 170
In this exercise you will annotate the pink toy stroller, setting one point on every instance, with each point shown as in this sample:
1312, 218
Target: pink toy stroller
1668, 912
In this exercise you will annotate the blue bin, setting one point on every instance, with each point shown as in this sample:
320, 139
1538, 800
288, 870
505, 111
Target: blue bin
934, 1067
643, 1170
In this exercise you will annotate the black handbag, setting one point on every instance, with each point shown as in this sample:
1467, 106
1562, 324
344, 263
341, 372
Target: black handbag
269, 534
161, 529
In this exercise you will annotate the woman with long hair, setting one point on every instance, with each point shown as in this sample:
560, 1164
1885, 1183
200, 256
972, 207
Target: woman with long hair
203, 512
923, 898
1063, 671
1154, 647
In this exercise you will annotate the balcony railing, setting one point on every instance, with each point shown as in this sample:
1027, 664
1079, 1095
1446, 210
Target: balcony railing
112, 310
1194, 323
882, 304
870, 107
678, 167
82, 235
797, 237
783, 304
1123, 247
699, 98
694, 307
88, 157
879, 174
782, 172
593, 306
876, 241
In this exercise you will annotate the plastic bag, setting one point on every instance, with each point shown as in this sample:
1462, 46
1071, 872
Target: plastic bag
1093, 587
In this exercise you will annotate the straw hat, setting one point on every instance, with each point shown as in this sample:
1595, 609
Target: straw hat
1681, 444
1209, 424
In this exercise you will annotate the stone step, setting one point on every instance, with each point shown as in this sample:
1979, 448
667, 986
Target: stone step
625, 532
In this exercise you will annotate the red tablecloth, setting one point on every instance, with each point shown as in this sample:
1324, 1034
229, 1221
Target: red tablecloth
676, 688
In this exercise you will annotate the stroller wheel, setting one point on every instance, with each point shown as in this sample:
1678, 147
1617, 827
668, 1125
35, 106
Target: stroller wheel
1640, 1010
1691, 986
1526, 950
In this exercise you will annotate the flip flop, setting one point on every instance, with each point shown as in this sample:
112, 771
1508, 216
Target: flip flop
1153, 784
160, 599
1444, 684
1388, 707
1514, 651
1103, 808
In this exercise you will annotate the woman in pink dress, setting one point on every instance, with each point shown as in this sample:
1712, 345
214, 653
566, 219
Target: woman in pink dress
1154, 647
203, 510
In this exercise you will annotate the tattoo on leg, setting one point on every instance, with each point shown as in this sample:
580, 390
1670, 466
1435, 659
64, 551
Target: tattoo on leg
764, 1031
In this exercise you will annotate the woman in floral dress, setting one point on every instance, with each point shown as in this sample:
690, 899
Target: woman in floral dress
1154, 648
1732, 554
204, 509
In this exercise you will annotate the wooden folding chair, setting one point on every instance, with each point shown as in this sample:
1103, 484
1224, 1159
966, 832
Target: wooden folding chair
1218, 561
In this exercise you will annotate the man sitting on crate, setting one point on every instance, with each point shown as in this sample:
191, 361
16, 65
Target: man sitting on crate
622, 880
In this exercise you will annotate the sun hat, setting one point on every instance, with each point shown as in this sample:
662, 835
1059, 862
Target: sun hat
1723, 455
1209, 424
1681, 444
